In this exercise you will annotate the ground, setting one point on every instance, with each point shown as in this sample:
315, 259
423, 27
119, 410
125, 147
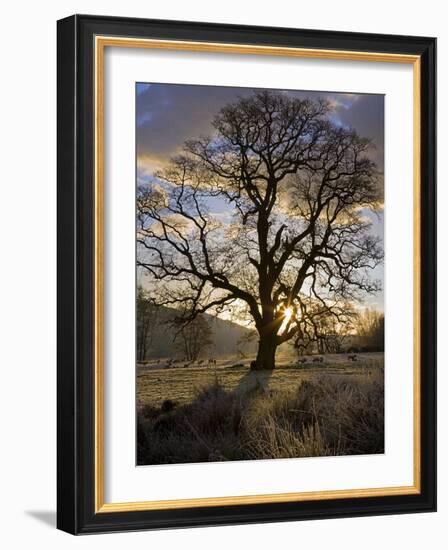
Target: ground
223, 410
159, 380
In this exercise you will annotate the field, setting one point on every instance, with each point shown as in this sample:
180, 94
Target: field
226, 411
158, 381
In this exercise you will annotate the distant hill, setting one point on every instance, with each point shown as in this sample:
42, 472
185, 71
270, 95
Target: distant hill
228, 338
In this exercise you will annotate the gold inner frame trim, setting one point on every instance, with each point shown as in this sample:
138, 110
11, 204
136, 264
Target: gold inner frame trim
101, 42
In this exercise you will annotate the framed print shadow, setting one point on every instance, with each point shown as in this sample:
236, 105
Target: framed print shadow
246, 274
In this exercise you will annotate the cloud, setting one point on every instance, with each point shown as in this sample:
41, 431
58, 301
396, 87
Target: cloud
142, 87
366, 116
169, 114
148, 164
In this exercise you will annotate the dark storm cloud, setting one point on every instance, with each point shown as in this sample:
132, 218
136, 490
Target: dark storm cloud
169, 114
366, 115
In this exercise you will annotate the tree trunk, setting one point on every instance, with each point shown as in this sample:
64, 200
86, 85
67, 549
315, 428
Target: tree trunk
267, 347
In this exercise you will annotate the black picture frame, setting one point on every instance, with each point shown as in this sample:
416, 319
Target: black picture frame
76, 512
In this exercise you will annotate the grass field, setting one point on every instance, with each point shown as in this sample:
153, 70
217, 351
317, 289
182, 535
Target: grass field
156, 384
228, 412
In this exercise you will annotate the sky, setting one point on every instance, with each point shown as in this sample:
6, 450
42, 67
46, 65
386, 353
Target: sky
169, 114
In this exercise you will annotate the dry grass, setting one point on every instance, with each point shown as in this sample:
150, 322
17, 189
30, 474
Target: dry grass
242, 416
155, 385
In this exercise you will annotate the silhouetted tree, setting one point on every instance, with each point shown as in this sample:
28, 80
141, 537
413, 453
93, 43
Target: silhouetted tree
194, 337
147, 315
295, 185
370, 329
324, 332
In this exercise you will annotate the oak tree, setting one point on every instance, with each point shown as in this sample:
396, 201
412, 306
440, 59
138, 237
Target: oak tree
293, 243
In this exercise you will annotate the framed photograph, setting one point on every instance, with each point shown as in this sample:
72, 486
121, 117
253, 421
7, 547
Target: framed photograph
246, 267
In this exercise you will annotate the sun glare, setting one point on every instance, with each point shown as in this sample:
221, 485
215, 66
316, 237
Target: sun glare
287, 313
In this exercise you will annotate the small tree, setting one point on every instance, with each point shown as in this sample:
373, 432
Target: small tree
147, 314
325, 331
370, 329
193, 338
336, 336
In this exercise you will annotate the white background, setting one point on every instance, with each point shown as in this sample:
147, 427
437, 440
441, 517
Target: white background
27, 289
123, 481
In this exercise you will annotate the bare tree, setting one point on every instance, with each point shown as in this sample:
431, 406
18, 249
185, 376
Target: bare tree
370, 329
194, 337
295, 186
325, 332
147, 314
